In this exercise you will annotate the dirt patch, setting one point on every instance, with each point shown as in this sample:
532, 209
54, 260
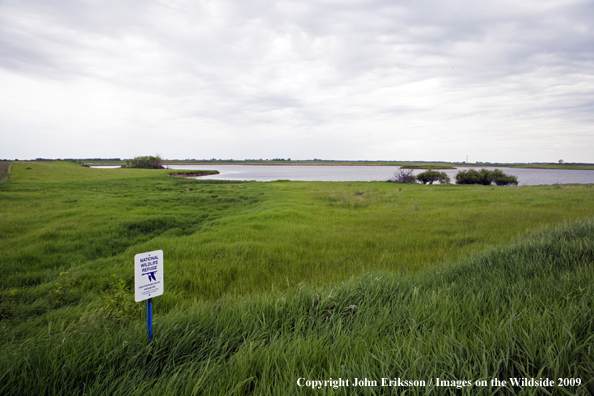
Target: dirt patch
4, 169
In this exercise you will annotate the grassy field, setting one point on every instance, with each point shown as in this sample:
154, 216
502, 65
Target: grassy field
269, 282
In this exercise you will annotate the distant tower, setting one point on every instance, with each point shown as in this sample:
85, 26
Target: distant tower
466, 158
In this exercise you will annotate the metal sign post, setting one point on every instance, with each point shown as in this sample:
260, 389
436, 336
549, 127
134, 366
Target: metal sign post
148, 282
149, 318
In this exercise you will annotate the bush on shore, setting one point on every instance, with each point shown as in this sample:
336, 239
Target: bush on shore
146, 162
431, 176
485, 177
502, 179
403, 176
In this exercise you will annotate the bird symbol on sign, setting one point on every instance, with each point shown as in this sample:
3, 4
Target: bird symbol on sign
151, 276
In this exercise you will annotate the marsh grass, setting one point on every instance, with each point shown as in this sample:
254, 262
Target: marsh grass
522, 310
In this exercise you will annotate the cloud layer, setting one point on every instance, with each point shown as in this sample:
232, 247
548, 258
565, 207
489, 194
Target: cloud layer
432, 80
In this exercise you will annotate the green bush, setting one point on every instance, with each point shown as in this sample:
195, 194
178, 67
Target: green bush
61, 290
485, 177
117, 301
431, 176
501, 179
444, 178
145, 162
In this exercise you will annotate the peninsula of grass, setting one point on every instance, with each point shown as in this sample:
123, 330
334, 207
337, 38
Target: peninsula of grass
266, 283
190, 173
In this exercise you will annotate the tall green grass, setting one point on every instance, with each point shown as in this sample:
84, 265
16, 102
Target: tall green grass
522, 310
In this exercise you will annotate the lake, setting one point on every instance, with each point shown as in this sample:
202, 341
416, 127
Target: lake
526, 177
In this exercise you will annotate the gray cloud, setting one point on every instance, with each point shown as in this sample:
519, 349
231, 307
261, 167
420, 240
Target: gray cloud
372, 73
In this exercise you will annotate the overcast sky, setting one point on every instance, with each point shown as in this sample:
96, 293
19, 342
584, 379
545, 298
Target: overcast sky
505, 80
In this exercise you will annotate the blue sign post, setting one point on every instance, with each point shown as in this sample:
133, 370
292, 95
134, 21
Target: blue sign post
149, 319
149, 286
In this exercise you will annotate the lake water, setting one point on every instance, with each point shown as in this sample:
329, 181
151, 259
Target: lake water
526, 177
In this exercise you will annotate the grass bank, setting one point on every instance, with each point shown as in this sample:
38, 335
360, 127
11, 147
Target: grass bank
522, 310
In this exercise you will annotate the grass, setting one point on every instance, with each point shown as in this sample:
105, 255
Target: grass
191, 173
523, 310
268, 281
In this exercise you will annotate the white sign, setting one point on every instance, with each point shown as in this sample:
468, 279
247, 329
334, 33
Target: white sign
148, 275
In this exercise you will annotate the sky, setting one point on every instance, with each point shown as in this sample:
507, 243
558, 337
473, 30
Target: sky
491, 81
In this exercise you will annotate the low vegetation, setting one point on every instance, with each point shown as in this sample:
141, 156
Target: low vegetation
270, 282
147, 162
404, 175
485, 177
191, 173
431, 176
470, 176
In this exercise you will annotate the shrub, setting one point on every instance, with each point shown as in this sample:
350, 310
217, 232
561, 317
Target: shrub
430, 176
469, 176
61, 290
444, 178
485, 177
145, 162
472, 176
403, 176
501, 179
117, 301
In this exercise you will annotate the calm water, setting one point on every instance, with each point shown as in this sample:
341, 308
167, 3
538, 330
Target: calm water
526, 177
